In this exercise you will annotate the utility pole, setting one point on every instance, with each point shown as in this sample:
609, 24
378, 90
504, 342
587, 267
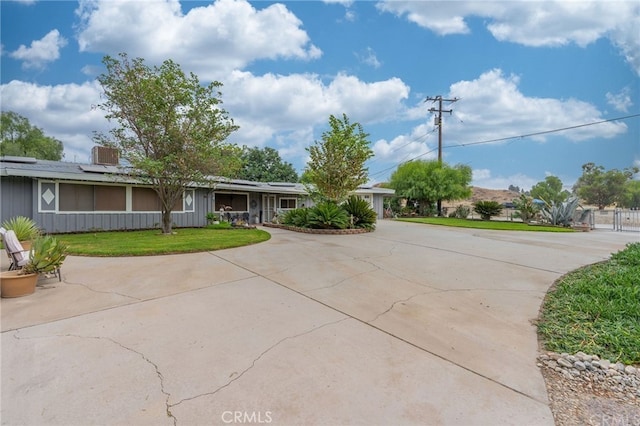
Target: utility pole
438, 122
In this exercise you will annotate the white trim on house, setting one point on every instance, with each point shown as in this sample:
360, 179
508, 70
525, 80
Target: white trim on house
55, 198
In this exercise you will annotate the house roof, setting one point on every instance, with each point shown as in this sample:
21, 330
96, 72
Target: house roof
62, 170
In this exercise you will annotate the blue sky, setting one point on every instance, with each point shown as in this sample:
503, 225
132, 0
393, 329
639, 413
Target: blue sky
517, 67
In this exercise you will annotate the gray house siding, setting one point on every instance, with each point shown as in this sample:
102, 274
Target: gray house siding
16, 197
56, 222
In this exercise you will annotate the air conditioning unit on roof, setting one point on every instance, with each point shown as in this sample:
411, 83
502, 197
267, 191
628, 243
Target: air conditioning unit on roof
105, 156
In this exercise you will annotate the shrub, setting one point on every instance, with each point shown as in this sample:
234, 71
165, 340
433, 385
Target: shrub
296, 217
461, 212
526, 209
25, 228
486, 209
328, 215
362, 215
212, 217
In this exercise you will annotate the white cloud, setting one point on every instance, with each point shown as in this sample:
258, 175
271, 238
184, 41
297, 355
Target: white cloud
533, 23
483, 178
42, 51
421, 143
492, 107
284, 111
63, 111
620, 101
290, 106
210, 40
368, 57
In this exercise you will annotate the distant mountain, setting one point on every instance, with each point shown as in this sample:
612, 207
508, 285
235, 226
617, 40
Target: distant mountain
484, 194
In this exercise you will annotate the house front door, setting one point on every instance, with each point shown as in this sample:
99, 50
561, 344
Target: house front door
268, 207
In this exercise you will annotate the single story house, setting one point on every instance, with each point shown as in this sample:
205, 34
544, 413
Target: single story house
71, 197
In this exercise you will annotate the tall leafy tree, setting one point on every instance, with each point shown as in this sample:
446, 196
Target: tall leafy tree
602, 188
170, 128
430, 181
550, 190
20, 138
336, 164
265, 165
631, 195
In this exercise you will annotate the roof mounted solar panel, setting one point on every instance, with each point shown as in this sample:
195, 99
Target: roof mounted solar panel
95, 168
14, 159
282, 184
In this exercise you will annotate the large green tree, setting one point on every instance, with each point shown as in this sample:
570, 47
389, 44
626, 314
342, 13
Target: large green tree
21, 138
265, 165
550, 190
602, 187
631, 195
429, 181
170, 128
336, 164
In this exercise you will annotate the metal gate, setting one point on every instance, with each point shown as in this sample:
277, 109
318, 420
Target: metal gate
626, 220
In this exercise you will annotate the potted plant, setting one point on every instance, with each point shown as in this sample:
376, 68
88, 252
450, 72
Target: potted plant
26, 229
47, 255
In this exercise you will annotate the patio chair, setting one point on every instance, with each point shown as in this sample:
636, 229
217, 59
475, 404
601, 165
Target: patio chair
17, 254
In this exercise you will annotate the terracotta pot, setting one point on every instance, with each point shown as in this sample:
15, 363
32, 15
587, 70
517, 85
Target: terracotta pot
26, 245
14, 285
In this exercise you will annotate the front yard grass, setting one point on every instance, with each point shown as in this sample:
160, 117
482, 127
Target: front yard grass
498, 225
153, 242
596, 310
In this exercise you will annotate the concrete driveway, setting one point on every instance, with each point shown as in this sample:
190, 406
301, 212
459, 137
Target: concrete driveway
411, 324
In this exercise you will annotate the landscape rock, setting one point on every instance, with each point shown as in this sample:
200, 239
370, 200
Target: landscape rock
624, 380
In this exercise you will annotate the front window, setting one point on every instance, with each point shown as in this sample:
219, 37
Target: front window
368, 198
89, 198
288, 203
147, 200
232, 202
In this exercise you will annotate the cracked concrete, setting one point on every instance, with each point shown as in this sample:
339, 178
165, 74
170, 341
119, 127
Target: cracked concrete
411, 324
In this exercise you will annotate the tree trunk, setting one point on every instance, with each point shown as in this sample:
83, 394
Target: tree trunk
166, 221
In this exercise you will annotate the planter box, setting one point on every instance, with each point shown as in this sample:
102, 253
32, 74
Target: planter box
582, 227
14, 285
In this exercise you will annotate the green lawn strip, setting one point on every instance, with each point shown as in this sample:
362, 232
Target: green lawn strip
153, 242
485, 224
596, 310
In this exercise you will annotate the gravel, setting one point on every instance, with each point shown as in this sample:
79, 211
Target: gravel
586, 390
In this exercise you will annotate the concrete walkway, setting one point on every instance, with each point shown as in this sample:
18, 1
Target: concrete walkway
411, 324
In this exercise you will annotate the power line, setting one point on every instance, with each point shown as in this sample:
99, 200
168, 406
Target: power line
545, 132
415, 139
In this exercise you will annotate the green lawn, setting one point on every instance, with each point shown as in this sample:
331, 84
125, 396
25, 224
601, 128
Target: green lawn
596, 310
153, 242
484, 224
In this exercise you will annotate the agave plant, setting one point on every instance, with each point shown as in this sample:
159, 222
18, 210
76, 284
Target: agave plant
47, 255
362, 215
25, 228
560, 214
